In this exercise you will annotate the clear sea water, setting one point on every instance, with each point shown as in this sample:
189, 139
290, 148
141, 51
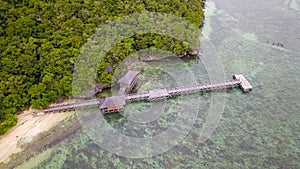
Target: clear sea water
260, 129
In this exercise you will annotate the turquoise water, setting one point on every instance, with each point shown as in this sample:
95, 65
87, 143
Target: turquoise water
260, 129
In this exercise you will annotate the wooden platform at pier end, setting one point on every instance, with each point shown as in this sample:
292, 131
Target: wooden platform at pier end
244, 84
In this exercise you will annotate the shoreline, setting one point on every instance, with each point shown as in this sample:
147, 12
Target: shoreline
30, 126
26, 129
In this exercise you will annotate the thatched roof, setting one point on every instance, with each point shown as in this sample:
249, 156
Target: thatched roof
129, 76
112, 101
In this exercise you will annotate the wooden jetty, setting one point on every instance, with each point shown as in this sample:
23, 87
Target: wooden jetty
117, 103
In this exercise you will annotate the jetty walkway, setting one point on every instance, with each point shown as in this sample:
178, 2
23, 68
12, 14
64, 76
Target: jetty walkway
117, 103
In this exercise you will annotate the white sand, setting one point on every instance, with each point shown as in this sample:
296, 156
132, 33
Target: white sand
26, 129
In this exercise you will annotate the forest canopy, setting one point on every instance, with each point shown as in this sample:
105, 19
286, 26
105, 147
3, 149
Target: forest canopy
41, 40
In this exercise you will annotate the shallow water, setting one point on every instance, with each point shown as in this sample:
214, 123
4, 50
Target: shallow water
255, 130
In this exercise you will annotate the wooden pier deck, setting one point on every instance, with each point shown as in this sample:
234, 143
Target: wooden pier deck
118, 102
69, 107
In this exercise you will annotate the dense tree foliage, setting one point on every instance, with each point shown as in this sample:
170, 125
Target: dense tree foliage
40, 41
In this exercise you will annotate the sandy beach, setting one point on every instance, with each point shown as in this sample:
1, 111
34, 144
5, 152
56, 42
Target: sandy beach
27, 128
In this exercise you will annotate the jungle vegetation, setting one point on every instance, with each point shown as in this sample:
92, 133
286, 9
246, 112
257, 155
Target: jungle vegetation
40, 41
